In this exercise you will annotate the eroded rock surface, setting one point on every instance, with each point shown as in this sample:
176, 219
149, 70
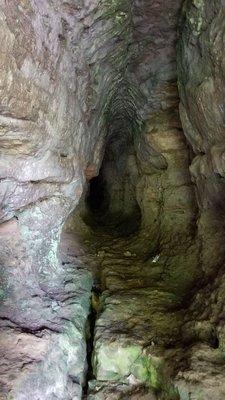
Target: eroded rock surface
131, 304
44, 304
201, 84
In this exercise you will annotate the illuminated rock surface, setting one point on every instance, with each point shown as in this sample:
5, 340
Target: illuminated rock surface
112, 190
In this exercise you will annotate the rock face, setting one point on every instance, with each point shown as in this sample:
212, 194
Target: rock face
43, 316
123, 297
44, 117
201, 77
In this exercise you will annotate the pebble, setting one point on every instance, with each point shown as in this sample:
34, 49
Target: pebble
127, 254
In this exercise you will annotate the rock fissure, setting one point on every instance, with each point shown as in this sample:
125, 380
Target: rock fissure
94, 309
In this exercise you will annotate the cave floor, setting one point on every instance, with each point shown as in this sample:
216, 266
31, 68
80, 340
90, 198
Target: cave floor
138, 341
136, 349
135, 315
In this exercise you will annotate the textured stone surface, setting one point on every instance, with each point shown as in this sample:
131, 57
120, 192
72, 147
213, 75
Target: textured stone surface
201, 85
138, 315
43, 329
89, 86
45, 113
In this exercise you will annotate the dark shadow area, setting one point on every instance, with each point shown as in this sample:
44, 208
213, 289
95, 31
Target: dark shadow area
98, 198
111, 203
99, 216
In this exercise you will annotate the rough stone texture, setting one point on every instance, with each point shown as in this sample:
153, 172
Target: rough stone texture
44, 115
43, 325
90, 76
138, 316
147, 280
89, 84
85, 74
201, 84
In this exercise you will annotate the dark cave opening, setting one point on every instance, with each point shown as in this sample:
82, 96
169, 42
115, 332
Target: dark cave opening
111, 202
98, 197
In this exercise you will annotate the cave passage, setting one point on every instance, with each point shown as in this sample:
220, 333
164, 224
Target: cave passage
105, 212
98, 197
112, 188
111, 199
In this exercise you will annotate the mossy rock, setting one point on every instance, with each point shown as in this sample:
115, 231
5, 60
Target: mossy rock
119, 362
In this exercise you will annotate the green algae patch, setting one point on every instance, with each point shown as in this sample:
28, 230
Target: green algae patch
113, 362
127, 363
195, 16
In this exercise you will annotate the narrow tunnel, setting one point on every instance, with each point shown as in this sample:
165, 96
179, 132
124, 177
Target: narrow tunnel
111, 199
112, 182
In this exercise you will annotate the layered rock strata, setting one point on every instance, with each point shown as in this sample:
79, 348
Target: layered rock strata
88, 93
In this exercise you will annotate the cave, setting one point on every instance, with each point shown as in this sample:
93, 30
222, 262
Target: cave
110, 200
112, 218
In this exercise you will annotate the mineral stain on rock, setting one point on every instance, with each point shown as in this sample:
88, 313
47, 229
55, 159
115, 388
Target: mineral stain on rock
112, 186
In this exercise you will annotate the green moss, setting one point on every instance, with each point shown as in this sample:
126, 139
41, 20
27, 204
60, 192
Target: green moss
119, 362
195, 16
199, 3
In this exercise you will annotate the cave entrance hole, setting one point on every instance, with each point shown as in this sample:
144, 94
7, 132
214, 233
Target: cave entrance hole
111, 202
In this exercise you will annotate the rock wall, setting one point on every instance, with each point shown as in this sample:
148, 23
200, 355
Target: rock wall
147, 281
201, 86
201, 109
46, 147
86, 84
